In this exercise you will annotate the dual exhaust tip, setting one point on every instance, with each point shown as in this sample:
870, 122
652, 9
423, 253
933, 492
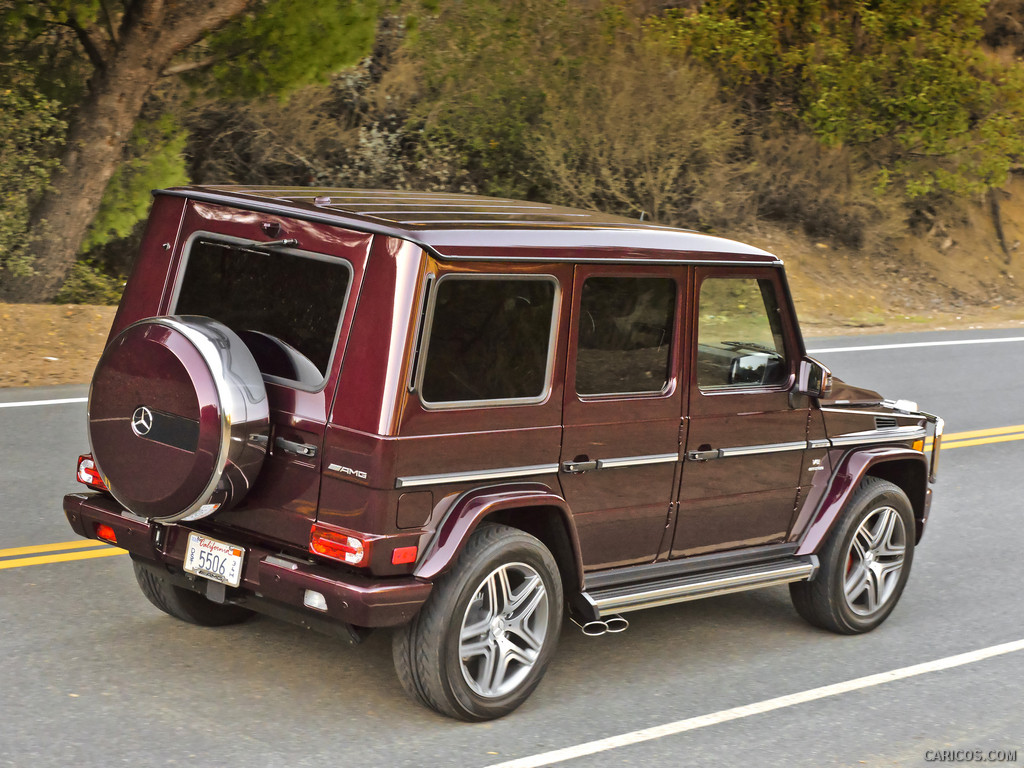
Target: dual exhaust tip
612, 624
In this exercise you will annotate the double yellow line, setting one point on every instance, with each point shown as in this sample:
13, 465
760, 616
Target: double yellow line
65, 551
980, 437
62, 552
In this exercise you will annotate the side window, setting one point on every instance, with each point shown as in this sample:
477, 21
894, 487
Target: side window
489, 338
740, 341
624, 335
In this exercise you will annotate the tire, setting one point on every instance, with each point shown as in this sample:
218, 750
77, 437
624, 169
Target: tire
183, 603
482, 641
865, 564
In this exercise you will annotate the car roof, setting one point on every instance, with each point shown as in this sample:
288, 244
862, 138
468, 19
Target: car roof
455, 225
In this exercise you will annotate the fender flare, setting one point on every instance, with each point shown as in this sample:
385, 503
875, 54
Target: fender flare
469, 509
852, 468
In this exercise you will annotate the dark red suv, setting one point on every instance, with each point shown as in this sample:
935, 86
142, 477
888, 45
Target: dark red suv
463, 417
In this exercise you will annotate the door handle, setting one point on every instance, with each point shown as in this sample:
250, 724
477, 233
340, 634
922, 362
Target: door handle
714, 453
576, 467
300, 449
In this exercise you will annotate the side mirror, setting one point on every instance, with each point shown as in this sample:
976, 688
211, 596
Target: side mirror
814, 379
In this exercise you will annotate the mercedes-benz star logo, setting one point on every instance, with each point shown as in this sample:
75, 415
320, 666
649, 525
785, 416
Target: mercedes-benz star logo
142, 421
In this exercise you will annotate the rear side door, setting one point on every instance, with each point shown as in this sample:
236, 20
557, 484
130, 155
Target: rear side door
747, 435
621, 410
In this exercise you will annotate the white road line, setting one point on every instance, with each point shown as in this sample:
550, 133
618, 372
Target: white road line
760, 707
916, 344
29, 403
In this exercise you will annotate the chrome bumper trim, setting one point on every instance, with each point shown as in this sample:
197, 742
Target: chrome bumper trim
938, 425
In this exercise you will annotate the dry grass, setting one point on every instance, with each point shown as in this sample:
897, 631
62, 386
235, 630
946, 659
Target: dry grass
47, 344
639, 132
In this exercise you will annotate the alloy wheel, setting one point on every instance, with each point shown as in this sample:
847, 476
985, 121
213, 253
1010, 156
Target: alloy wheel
503, 630
874, 561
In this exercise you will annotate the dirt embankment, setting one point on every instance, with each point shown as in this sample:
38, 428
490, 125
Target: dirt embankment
51, 343
958, 277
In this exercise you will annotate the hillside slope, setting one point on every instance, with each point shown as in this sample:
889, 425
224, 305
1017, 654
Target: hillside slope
955, 278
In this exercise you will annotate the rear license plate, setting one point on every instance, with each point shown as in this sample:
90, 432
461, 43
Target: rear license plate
214, 560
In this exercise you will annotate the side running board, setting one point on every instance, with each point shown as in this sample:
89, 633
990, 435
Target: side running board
678, 589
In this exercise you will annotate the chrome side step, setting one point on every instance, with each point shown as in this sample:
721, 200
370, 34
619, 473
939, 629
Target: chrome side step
651, 594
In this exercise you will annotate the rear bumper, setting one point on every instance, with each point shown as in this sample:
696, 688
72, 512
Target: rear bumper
267, 576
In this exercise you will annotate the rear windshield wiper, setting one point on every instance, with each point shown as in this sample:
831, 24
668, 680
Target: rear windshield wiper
290, 242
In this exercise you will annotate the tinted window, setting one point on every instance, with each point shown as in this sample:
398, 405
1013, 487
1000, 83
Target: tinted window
490, 339
624, 335
740, 342
285, 307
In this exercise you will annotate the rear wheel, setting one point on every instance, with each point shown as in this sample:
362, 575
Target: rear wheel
482, 641
183, 603
864, 565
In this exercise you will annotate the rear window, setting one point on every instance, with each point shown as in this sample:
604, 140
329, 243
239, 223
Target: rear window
490, 339
285, 305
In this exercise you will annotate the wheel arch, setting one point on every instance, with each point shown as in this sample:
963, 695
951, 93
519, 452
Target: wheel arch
912, 477
904, 467
529, 507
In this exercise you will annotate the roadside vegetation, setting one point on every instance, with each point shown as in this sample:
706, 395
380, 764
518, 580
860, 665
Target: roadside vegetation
870, 126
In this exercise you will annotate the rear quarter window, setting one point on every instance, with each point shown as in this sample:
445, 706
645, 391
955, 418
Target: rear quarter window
489, 339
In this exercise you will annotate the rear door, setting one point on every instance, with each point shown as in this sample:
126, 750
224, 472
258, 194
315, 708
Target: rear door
620, 442
747, 436
292, 307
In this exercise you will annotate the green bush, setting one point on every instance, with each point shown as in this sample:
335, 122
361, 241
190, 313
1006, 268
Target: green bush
635, 131
907, 80
155, 159
86, 283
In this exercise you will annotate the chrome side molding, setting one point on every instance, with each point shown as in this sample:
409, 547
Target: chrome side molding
504, 473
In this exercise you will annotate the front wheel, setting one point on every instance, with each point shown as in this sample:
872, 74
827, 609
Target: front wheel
482, 641
864, 565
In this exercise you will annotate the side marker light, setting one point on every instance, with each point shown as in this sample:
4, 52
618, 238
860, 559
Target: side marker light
403, 555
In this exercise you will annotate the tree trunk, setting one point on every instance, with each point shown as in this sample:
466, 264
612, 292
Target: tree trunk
101, 126
95, 146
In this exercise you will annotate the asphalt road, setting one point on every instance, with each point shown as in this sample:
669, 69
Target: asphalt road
91, 674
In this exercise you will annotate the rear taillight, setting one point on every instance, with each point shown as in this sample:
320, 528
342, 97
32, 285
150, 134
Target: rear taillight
339, 545
88, 474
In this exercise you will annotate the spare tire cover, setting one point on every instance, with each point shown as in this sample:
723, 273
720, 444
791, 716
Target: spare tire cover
178, 418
